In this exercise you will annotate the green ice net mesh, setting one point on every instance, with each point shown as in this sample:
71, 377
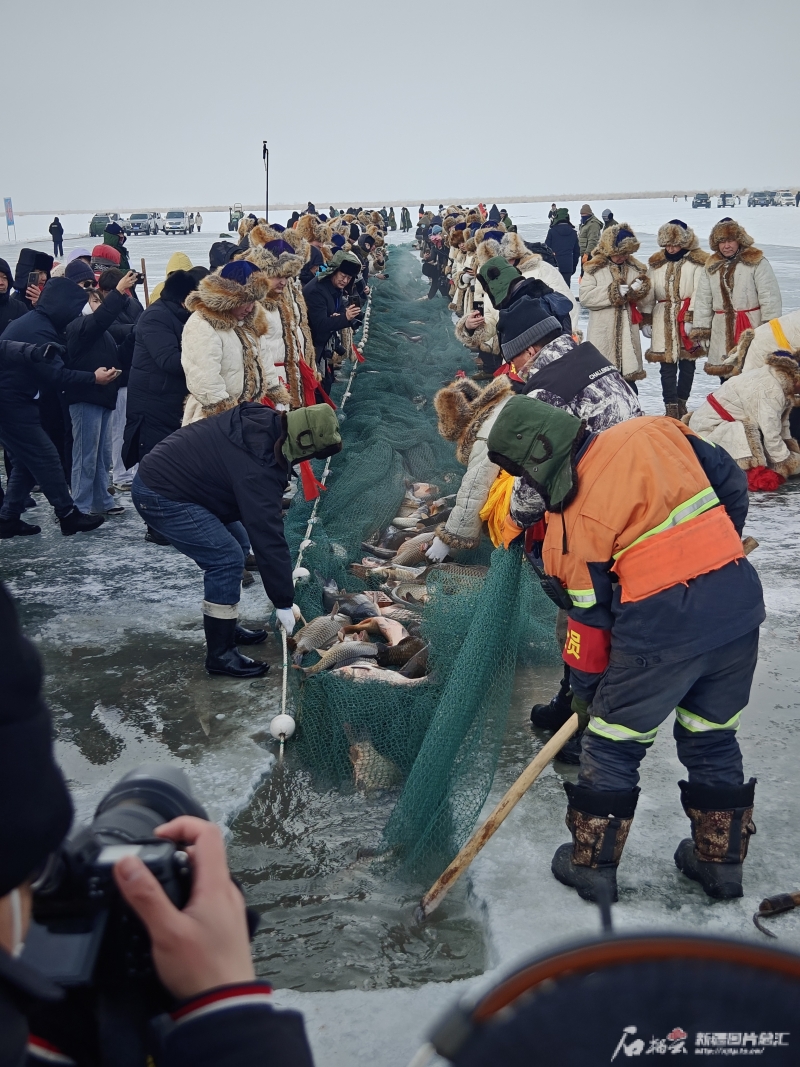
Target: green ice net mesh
442, 737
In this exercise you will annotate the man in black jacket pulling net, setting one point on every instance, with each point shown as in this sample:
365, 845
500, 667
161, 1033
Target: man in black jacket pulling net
228, 468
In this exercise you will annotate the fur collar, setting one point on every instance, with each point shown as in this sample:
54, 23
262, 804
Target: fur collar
749, 256
788, 371
600, 260
463, 407
694, 255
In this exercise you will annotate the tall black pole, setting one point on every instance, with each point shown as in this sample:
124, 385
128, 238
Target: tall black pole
266, 157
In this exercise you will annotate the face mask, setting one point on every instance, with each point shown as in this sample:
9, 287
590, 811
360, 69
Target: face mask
17, 939
87, 309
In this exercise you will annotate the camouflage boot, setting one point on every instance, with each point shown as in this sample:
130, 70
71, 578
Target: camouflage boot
673, 411
600, 823
722, 823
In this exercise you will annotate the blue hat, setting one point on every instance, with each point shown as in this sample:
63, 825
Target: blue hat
623, 235
493, 235
238, 271
677, 222
337, 240
278, 247
276, 226
436, 229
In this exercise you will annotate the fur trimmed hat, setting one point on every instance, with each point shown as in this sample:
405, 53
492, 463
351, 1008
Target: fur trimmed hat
308, 226
246, 223
221, 293
486, 250
729, 230
678, 233
513, 247
272, 253
617, 240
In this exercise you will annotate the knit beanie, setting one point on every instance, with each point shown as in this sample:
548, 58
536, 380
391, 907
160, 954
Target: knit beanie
238, 271
586, 210
606, 214
79, 253
37, 810
524, 324
561, 215
79, 271
497, 276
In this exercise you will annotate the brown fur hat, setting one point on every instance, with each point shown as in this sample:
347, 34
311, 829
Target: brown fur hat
457, 238
513, 247
473, 215
306, 227
453, 406
216, 298
298, 243
672, 233
485, 251
789, 366
729, 230
283, 265
376, 219
608, 245
245, 225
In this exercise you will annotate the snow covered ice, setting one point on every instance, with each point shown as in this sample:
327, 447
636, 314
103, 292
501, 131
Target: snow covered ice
118, 623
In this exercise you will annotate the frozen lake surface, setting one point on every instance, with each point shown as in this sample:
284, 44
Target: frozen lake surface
118, 622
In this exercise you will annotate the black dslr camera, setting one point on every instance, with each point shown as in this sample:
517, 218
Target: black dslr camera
83, 934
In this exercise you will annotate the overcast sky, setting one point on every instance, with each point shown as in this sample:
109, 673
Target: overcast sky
163, 103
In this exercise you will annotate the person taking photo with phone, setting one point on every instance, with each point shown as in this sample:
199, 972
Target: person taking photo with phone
90, 346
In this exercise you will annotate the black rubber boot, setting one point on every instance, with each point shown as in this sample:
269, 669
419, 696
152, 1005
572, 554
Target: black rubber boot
599, 823
552, 716
17, 528
250, 562
249, 637
222, 656
722, 824
571, 751
77, 522
155, 538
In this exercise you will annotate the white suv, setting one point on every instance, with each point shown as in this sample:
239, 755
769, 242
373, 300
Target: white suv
176, 222
785, 199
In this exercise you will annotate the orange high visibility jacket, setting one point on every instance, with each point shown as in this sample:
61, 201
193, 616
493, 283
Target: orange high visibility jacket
645, 519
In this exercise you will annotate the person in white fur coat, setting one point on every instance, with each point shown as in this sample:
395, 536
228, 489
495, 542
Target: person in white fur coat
225, 351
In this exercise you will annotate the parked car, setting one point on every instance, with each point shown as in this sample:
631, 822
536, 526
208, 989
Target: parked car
728, 200
99, 223
142, 223
762, 199
701, 200
785, 199
176, 222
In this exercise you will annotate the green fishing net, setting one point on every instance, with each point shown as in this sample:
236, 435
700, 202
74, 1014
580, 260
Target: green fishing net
434, 746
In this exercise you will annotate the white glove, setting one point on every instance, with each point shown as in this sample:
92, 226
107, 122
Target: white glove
623, 290
637, 285
438, 550
286, 618
647, 331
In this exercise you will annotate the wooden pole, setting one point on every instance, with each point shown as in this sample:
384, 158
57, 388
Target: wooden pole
442, 885
144, 285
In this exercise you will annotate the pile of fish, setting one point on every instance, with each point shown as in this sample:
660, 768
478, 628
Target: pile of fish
343, 639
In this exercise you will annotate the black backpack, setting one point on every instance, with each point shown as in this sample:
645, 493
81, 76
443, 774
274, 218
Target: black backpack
547, 254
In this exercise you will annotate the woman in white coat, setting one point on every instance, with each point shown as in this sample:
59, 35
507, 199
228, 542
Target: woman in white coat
225, 353
466, 415
748, 415
612, 286
674, 272
738, 291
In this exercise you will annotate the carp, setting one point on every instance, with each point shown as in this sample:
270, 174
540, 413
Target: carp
417, 666
399, 655
393, 631
316, 634
342, 655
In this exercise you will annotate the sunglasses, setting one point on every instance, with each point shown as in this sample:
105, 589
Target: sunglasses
87, 284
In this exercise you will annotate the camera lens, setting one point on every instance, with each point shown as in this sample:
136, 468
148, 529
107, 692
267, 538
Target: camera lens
145, 798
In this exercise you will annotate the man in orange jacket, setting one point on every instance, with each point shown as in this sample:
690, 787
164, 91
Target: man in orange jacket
644, 544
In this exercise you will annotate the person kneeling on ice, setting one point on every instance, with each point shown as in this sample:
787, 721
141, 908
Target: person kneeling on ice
232, 467
644, 537
748, 415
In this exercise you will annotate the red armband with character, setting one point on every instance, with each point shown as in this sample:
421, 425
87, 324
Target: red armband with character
586, 648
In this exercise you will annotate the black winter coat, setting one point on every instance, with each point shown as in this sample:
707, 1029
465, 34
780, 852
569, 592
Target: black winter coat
26, 370
563, 239
228, 465
29, 260
90, 345
61, 301
326, 306
11, 307
156, 383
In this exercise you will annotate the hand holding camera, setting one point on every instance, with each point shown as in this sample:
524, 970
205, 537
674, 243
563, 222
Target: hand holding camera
206, 944
128, 281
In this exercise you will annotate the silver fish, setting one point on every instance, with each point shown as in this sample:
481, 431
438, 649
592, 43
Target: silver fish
317, 634
413, 551
341, 655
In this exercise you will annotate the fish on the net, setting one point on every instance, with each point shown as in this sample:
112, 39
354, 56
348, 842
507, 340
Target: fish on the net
406, 614
417, 666
398, 655
358, 606
316, 634
341, 655
393, 631
405, 593
386, 572
363, 671
371, 770
462, 570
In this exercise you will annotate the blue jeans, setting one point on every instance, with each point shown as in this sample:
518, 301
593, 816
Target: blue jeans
707, 693
91, 457
36, 462
198, 534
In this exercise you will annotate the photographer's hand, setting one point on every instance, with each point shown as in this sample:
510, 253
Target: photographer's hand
206, 945
352, 311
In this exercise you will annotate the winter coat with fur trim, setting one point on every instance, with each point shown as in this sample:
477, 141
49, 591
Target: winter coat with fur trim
466, 416
760, 402
755, 345
226, 362
745, 283
671, 283
610, 327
